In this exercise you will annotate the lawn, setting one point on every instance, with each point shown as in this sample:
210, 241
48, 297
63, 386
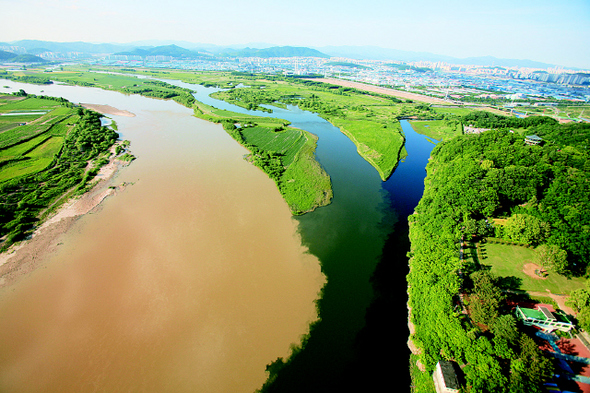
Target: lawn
509, 261
437, 129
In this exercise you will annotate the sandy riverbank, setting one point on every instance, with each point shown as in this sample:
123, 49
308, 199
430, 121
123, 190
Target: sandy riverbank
108, 110
24, 257
383, 90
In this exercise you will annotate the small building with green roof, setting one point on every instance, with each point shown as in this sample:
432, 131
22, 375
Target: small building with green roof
544, 319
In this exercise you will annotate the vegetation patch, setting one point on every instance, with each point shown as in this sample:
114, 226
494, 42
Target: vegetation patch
438, 129
37, 170
494, 186
510, 261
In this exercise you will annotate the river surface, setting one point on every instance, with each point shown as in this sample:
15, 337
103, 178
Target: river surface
196, 277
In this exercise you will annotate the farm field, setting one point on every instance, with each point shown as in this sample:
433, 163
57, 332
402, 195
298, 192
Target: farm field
57, 152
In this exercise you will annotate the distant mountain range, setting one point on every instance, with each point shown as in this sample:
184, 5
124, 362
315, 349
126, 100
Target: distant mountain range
377, 53
181, 53
275, 51
167, 50
187, 50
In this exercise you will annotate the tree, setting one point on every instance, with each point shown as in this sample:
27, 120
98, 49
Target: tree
525, 228
505, 327
486, 298
579, 300
552, 257
531, 369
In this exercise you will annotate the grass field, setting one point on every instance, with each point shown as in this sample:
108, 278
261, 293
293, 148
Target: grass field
304, 184
288, 142
12, 131
437, 129
30, 148
33, 161
508, 261
452, 110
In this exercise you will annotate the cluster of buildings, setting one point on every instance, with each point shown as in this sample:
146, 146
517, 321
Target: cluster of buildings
467, 83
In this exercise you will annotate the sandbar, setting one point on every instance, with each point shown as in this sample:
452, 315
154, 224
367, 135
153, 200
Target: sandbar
108, 110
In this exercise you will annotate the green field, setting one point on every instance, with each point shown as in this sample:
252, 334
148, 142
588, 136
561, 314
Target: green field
45, 159
437, 129
509, 260
12, 131
369, 120
30, 148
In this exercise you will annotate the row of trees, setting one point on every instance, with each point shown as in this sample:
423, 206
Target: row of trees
484, 119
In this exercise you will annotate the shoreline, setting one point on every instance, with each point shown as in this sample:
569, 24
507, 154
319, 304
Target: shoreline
28, 255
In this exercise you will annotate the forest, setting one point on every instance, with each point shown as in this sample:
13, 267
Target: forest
541, 194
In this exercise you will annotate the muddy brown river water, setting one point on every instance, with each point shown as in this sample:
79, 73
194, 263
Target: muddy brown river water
192, 279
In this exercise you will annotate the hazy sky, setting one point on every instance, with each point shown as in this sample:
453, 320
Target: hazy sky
553, 31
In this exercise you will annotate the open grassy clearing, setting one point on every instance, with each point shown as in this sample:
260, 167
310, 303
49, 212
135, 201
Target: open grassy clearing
507, 260
437, 129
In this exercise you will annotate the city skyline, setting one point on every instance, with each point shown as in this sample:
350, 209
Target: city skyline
543, 31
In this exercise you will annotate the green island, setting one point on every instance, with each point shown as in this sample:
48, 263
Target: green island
493, 205
50, 151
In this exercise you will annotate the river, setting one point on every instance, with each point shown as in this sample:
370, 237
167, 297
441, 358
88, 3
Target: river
196, 277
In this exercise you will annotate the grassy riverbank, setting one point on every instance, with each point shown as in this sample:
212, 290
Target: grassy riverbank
369, 120
49, 150
284, 153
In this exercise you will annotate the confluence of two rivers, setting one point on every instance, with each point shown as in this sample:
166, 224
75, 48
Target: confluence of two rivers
193, 279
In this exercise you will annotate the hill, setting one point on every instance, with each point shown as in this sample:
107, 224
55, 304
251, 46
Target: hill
377, 53
166, 50
64, 47
14, 58
7, 55
275, 51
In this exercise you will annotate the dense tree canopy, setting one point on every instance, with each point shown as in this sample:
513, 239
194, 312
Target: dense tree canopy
543, 193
